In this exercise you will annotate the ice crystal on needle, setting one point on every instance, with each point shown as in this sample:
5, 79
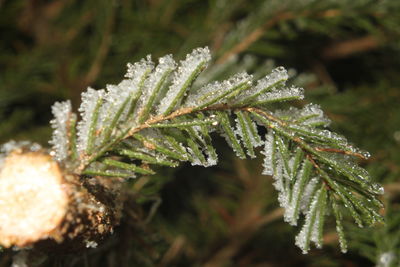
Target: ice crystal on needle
183, 77
268, 152
219, 92
153, 85
91, 100
279, 95
137, 70
270, 82
62, 112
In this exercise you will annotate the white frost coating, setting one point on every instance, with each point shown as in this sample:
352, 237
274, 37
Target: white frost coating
187, 67
234, 148
290, 215
255, 140
267, 152
267, 83
216, 70
89, 102
135, 74
246, 131
156, 137
138, 69
301, 238
194, 160
315, 230
60, 141
312, 114
211, 156
113, 100
386, 259
308, 191
279, 185
217, 89
280, 94
212, 159
165, 65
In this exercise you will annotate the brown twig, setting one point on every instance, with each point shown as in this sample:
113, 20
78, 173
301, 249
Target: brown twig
259, 32
349, 47
340, 151
102, 52
254, 36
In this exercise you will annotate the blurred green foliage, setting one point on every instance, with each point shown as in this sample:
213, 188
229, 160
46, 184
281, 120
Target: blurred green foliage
348, 54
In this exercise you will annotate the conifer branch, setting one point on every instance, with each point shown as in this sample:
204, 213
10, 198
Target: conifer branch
155, 117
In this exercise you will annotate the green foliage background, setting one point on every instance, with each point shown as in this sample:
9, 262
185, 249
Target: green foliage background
348, 54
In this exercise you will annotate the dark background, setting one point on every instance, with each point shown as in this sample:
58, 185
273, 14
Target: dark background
346, 54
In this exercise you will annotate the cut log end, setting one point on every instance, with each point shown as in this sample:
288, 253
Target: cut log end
33, 201
46, 207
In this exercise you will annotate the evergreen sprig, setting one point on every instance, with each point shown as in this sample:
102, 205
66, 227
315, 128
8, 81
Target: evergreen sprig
156, 117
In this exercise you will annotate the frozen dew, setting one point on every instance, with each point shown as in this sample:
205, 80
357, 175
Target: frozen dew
312, 115
218, 92
279, 184
154, 82
277, 76
286, 114
235, 149
308, 192
216, 70
310, 227
187, 71
278, 177
268, 153
292, 211
315, 231
193, 158
212, 159
378, 189
155, 137
137, 70
136, 74
113, 101
279, 95
62, 112
243, 130
90, 99
131, 90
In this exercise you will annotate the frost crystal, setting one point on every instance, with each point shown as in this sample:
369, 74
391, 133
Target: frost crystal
154, 82
114, 99
183, 77
268, 152
90, 101
279, 95
215, 92
60, 139
311, 225
211, 155
312, 115
279, 185
308, 191
277, 76
137, 70
292, 211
